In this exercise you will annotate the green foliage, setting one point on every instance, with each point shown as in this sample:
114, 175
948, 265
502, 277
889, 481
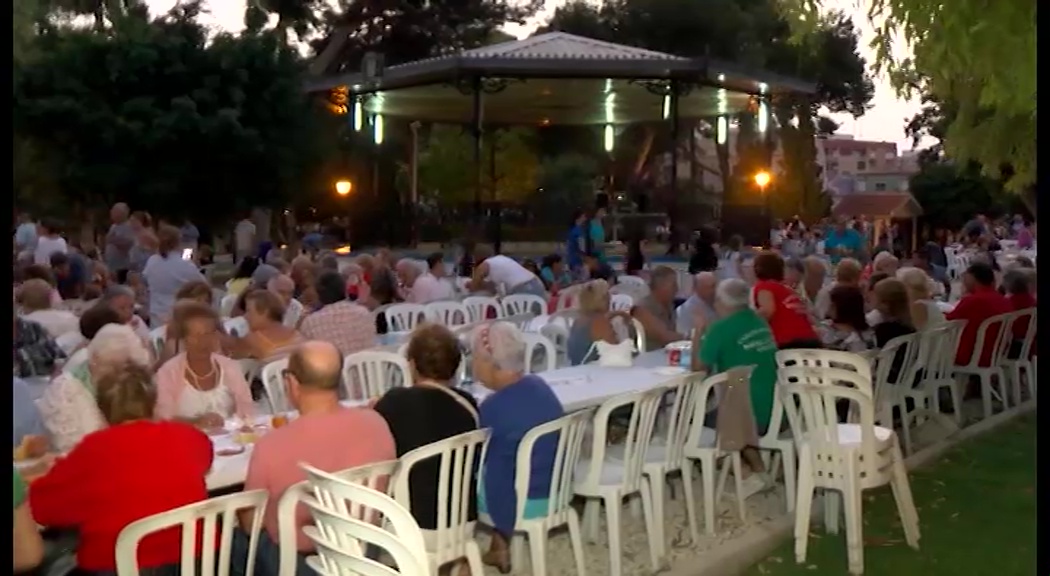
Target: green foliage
979, 55
566, 183
447, 165
155, 114
950, 195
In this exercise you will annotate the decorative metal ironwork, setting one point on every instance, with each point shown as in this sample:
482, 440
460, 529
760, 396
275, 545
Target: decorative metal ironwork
678, 88
466, 86
338, 101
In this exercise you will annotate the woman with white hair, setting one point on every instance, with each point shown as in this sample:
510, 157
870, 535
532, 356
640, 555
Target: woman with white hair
741, 337
924, 311
519, 402
68, 406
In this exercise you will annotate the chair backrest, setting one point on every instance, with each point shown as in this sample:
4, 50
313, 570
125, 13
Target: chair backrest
236, 326
370, 373
201, 522
645, 406
632, 281
479, 307
559, 336
568, 298
291, 319
250, 368
893, 364
621, 302
825, 359
327, 486
157, 337
697, 391
1029, 315
516, 304
681, 416
338, 538
944, 342
404, 317
812, 394
448, 313
273, 383
373, 476
569, 431
457, 457
226, 305
993, 333
539, 343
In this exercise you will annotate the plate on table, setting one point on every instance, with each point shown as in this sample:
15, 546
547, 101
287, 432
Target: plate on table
670, 370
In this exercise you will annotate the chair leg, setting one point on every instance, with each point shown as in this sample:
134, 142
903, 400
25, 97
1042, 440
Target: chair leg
591, 511
652, 531
956, 395
986, 395
690, 500
707, 480
851, 496
790, 476
517, 551
474, 558
804, 506
538, 550
738, 481
832, 511
905, 427
905, 504
576, 538
612, 520
656, 489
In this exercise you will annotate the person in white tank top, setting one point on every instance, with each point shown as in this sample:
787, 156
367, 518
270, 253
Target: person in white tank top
499, 270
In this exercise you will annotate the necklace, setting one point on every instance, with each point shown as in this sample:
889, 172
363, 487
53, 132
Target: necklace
197, 378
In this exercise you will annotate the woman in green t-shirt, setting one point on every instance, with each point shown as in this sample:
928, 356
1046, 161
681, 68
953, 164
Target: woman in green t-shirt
28, 547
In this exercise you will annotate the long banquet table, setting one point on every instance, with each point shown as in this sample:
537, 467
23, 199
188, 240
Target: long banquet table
577, 387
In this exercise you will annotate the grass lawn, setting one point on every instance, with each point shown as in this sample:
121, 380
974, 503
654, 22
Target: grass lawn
977, 516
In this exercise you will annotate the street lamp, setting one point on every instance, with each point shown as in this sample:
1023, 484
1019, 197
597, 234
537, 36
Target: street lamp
762, 179
343, 187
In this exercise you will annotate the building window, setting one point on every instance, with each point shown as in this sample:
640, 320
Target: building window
862, 165
880, 186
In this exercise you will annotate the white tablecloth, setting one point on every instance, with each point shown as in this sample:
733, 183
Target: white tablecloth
577, 387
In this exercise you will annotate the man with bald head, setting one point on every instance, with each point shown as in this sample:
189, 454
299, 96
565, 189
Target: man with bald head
325, 435
119, 240
702, 301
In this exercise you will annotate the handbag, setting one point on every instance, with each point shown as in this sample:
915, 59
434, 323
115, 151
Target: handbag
619, 355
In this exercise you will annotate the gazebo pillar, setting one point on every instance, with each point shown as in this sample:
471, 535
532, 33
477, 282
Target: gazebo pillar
673, 93
476, 125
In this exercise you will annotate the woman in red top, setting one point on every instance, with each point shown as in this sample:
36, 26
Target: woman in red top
781, 306
133, 469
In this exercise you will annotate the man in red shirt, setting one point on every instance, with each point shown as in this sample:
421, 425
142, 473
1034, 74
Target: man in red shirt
980, 301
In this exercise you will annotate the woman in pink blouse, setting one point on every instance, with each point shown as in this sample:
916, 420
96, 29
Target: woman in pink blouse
198, 385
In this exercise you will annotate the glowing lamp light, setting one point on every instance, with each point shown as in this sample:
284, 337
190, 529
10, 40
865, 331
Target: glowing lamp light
343, 187
609, 138
377, 129
762, 179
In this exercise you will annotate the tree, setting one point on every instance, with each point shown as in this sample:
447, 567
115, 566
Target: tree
979, 55
102, 11
950, 195
447, 166
298, 16
155, 114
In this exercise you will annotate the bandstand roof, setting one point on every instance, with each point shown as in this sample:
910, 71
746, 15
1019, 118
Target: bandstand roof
560, 78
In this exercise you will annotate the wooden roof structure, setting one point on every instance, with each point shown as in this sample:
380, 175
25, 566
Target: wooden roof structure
877, 204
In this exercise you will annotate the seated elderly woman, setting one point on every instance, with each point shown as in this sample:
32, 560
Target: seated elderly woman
429, 410
284, 287
68, 405
35, 298
91, 321
594, 322
741, 337
847, 273
191, 292
122, 300
268, 339
847, 329
519, 402
130, 468
924, 310
200, 386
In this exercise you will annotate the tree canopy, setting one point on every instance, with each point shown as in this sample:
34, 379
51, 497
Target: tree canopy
980, 56
156, 113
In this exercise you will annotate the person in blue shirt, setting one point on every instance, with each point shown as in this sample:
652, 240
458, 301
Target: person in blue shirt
554, 274
26, 416
574, 243
518, 403
596, 234
843, 242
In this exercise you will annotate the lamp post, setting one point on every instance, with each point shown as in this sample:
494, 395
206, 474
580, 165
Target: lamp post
343, 187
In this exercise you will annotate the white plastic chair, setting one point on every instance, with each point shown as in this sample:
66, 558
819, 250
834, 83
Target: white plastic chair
559, 336
539, 343
934, 366
479, 307
633, 330
700, 444
632, 282
1020, 369
292, 320
846, 458
994, 331
237, 327
570, 431
605, 480
273, 383
568, 298
200, 522
226, 305
453, 537
370, 373
338, 538
404, 317
517, 304
374, 476
448, 313
621, 302
891, 390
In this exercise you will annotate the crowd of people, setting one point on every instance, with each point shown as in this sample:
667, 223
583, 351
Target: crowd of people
138, 356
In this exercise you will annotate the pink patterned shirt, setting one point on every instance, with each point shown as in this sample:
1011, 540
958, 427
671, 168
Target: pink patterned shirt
349, 326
